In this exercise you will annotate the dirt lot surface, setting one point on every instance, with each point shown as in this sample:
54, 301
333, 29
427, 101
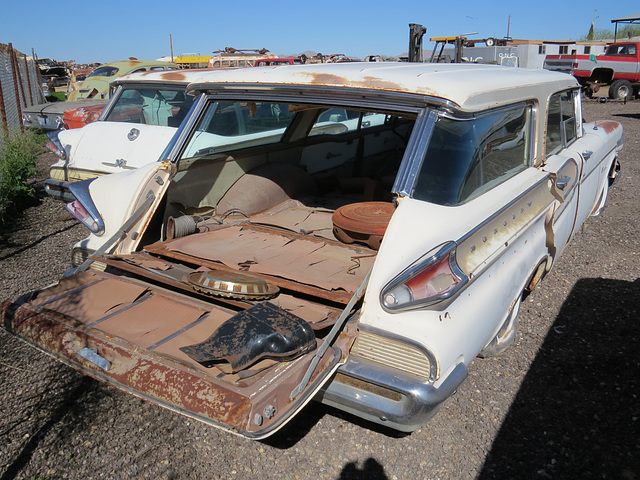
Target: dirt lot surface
562, 402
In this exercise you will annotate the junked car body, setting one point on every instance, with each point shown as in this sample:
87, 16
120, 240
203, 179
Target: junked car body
49, 116
96, 84
133, 129
354, 233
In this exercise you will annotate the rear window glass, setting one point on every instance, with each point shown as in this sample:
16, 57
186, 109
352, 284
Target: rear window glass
466, 158
151, 106
104, 72
232, 125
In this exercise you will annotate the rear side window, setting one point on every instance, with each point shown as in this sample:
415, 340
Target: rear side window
561, 122
104, 72
164, 107
467, 157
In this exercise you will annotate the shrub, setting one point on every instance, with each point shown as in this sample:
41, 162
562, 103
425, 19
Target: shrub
17, 165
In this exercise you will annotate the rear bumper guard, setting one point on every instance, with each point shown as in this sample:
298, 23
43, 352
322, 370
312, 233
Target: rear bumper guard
400, 401
58, 189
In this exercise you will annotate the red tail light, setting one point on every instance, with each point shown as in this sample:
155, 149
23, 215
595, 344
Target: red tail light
54, 145
434, 278
76, 209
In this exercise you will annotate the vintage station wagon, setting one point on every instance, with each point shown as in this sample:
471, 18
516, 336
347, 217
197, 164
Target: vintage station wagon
351, 233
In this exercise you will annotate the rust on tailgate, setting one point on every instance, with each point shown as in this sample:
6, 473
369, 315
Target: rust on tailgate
130, 334
161, 380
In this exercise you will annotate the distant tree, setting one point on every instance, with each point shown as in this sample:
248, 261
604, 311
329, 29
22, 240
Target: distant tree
607, 34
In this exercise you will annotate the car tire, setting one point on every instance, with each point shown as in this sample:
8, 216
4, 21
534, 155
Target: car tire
507, 333
620, 89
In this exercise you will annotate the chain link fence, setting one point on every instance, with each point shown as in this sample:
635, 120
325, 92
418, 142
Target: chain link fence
20, 87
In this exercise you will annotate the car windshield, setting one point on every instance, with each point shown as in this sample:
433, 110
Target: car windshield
165, 106
104, 72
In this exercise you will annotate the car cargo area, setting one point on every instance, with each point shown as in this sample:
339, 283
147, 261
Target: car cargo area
225, 310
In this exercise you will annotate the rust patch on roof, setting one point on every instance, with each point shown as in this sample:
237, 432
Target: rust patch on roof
174, 75
368, 82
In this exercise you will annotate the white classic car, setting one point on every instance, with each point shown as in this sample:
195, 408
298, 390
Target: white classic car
144, 111
351, 233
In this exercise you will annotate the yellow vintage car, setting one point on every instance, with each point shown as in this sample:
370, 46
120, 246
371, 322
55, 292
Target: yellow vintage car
96, 85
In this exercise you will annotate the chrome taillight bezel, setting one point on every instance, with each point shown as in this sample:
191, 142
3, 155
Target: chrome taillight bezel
431, 259
55, 145
92, 220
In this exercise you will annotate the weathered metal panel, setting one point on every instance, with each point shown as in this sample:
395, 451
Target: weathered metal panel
19, 87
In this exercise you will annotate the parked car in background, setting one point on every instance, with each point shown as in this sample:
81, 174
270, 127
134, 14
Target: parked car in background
78, 75
270, 62
618, 68
355, 233
50, 116
83, 115
132, 129
234, 58
96, 84
56, 77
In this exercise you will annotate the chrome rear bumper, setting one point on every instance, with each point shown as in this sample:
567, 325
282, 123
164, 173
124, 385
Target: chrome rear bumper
58, 189
387, 396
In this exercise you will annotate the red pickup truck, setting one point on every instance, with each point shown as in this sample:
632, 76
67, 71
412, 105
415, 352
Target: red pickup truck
619, 68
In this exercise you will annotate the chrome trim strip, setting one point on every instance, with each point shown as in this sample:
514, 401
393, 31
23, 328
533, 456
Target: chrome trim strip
419, 403
414, 154
58, 189
179, 139
366, 97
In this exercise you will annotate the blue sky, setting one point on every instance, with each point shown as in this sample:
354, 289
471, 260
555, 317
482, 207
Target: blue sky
116, 30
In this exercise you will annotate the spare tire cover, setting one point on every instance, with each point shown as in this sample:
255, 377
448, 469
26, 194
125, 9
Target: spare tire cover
263, 330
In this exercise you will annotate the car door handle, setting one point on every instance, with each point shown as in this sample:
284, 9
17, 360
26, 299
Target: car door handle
561, 183
587, 155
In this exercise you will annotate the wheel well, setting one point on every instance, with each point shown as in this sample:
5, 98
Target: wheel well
601, 75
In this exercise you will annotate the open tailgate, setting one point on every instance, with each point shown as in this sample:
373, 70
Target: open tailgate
132, 334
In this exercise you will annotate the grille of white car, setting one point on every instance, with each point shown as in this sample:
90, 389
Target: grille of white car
394, 353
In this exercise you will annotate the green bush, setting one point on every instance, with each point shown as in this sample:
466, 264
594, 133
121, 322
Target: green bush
17, 165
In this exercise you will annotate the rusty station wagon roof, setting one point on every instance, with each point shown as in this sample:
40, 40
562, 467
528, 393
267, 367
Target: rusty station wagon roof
471, 87
162, 76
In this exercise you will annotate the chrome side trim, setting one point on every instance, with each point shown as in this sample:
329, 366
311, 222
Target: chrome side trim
369, 98
418, 403
179, 139
414, 154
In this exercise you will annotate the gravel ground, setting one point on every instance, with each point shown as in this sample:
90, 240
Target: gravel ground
561, 403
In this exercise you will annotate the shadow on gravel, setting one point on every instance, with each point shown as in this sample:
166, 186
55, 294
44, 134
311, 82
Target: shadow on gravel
576, 414
66, 410
303, 422
371, 470
628, 115
23, 247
